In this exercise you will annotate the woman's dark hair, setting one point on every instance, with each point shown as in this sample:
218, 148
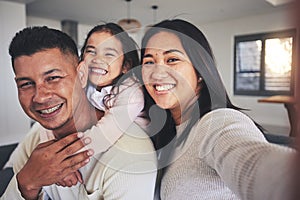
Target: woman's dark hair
212, 95
129, 47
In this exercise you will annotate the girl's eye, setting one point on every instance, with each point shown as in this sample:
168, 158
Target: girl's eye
109, 54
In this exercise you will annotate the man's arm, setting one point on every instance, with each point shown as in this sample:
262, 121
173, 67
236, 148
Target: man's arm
48, 163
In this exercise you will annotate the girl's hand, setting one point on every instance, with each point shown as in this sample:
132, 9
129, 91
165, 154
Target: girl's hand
71, 179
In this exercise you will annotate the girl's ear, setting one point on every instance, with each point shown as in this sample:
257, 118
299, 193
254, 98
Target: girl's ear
82, 71
126, 67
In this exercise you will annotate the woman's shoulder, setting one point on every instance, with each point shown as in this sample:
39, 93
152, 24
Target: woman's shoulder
227, 113
226, 117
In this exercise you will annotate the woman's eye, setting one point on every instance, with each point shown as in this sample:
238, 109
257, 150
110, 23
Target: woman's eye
148, 62
171, 60
89, 51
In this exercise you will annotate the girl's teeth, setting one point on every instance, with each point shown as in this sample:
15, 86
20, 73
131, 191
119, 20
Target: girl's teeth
164, 87
99, 71
50, 110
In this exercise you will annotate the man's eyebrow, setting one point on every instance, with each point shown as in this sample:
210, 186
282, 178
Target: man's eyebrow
21, 79
17, 79
51, 71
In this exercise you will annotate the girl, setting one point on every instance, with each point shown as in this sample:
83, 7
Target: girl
110, 56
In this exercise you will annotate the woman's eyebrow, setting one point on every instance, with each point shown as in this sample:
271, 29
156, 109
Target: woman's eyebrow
172, 51
148, 55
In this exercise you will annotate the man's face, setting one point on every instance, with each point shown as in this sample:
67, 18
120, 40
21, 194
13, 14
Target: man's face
48, 87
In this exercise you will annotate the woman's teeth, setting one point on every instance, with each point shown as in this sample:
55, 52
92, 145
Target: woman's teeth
50, 110
164, 87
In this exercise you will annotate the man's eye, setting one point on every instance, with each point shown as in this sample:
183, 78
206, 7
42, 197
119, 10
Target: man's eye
25, 85
52, 78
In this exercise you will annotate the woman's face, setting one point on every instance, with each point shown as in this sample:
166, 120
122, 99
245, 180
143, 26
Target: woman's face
169, 75
104, 57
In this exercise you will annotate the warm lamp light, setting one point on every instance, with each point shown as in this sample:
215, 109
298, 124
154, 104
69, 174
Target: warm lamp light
128, 24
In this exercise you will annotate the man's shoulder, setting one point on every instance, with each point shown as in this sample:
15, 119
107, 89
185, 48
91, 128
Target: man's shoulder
32, 138
134, 148
135, 139
34, 133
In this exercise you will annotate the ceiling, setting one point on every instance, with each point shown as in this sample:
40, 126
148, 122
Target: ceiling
91, 12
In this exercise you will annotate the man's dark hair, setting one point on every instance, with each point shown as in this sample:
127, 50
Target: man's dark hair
31, 40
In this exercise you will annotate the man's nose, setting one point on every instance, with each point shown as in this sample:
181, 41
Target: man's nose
42, 93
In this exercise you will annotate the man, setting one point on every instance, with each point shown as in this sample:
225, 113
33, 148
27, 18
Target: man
51, 91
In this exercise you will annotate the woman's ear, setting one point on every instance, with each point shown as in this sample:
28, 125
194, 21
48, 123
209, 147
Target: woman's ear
199, 85
126, 67
82, 71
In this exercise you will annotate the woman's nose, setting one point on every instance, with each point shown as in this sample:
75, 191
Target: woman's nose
159, 72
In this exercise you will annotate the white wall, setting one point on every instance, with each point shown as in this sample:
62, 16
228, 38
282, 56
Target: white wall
14, 124
221, 37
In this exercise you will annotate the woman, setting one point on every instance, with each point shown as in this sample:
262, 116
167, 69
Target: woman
207, 148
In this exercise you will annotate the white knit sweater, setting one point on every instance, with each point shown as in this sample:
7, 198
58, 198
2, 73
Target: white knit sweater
227, 157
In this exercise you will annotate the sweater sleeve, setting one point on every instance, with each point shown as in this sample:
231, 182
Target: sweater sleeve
249, 165
126, 108
18, 159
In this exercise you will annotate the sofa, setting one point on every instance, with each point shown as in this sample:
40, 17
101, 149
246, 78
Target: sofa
7, 173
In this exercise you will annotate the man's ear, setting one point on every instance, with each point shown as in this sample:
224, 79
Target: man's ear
82, 71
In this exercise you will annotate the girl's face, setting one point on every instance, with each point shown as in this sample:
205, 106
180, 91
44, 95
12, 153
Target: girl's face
169, 75
104, 57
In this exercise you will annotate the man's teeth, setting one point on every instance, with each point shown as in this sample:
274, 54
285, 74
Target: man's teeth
99, 71
50, 110
164, 87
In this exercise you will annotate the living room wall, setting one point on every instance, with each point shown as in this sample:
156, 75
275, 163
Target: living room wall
221, 36
14, 123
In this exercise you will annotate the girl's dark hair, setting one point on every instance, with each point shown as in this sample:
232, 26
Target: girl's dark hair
129, 47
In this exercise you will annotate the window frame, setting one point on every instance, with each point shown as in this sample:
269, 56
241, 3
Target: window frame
263, 37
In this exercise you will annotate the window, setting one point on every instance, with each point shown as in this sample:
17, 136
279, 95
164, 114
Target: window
263, 63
